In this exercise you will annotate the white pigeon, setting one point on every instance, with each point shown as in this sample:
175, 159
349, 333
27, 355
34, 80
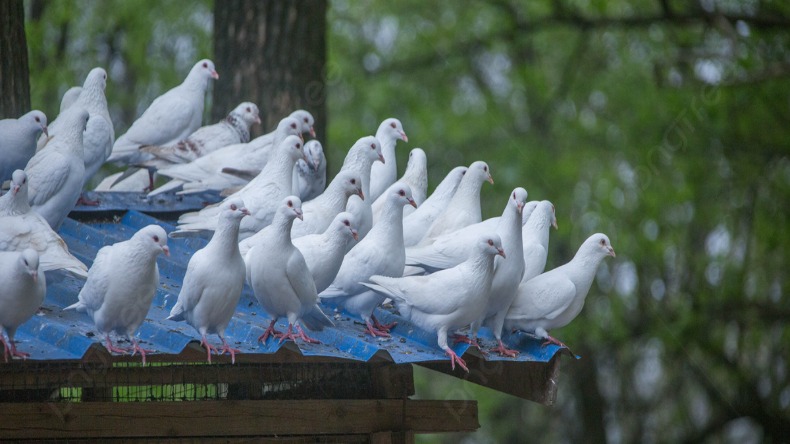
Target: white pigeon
261, 196
507, 273
416, 177
171, 117
69, 97
319, 212
213, 281
449, 299
310, 175
324, 252
282, 283
18, 141
417, 223
137, 182
205, 173
535, 236
24, 287
384, 175
121, 285
553, 299
234, 128
56, 174
380, 252
99, 134
306, 121
359, 159
22, 228
464, 207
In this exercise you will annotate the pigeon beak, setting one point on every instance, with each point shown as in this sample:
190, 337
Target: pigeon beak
554, 223
381, 158
214, 75
257, 120
245, 211
412, 202
404, 136
611, 252
490, 179
361, 195
520, 206
312, 132
501, 252
46, 131
34, 275
299, 214
316, 163
355, 234
166, 250
15, 189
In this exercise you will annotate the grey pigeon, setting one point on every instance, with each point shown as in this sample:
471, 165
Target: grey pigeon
24, 287
213, 281
18, 141
121, 285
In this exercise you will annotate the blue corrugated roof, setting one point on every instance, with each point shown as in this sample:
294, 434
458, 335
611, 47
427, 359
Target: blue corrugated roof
57, 335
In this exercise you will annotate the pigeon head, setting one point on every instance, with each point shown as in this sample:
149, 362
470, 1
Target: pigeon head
97, 79
70, 97
553, 214
306, 121
36, 121
28, 263
233, 209
292, 207
480, 169
315, 154
529, 208
350, 183
400, 193
596, 246
248, 112
392, 128
347, 223
153, 238
205, 69
491, 244
518, 198
417, 159
19, 182
373, 147
288, 126
293, 146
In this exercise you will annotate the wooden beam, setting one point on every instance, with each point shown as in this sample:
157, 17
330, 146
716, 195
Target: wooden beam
232, 418
534, 381
392, 381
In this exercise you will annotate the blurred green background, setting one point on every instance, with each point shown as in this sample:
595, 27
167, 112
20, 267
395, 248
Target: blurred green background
664, 124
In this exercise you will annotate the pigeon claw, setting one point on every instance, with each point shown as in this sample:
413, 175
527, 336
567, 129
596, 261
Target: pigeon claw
269, 331
230, 350
306, 338
382, 327
551, 340
504, 351
9, 349
84, 201
375, 332
454, 358
209, 348
136, 348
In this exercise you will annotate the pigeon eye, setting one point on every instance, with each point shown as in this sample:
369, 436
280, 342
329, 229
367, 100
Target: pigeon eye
293, 125
485, 168
233, 207
353, 181
603, 242
514, 196
305, 120
346, 223
26, 264
290, 204
156, 238
205, 65
490, 242
249, 110
373, 146
392, 124
38, 120
298, 145
402, 193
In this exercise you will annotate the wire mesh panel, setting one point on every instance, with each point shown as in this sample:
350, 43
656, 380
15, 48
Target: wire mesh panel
130, 382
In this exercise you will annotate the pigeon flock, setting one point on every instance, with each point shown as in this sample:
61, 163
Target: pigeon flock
306, 246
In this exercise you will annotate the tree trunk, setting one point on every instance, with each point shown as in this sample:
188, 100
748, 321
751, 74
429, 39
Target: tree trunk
14, 74
272, 53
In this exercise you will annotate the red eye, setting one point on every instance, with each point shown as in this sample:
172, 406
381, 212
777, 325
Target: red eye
603, 242
293, 125
373, 146
205, 65
392, 124
156, 238
233, 207
346, 223
490, 242
402, 193
290, 204
514, 196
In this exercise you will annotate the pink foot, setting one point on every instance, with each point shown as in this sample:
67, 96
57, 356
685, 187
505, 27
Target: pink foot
136, 348
382, 327
306, 338
551, 340
113, 349
9, 349
504, 351
455, 358
87, 202
230, 350
289, 334
209, 348
375, 332
270, 331
466, 339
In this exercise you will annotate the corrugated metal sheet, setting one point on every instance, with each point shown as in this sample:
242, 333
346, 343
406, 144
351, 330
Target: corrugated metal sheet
57, 335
